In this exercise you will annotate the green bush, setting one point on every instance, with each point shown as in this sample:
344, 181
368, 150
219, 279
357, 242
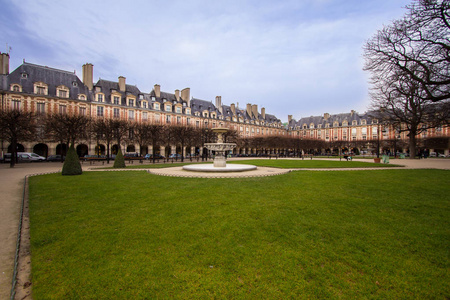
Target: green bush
119, 162
72, 164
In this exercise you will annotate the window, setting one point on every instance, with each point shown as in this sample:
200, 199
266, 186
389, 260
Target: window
130, 102
188, 111
144, 116
40, 108
16, 88
116, 100
156, 106
40, 90
99, 111
100, 97
116, 113
16, 104
144, 104
168, 108
167, 119
62, 94
82, 97
197, 123
188, 121
363, 122
354, 132
131, 114
24, 75
354, 122
178, 120
157, 118
82, 111
178, 110
62, 109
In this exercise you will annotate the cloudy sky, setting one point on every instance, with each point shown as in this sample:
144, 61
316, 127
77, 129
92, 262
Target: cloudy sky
299, 57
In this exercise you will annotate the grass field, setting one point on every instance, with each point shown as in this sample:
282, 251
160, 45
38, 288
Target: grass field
278, 163
381, 234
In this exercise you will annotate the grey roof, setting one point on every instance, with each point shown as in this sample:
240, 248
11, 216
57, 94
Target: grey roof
331, 119
50, 76
108, 86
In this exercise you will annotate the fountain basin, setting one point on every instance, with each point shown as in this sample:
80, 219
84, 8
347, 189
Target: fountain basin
212, 168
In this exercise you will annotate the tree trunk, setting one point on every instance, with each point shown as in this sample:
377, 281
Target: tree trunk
412, 146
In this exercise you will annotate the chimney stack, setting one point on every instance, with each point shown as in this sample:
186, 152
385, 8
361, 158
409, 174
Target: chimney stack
177, 95
255, 111
186, 96
219, 103
4, 63
88, 75
289, 118
263, 113
326, 116
122, 84
157, 89
249, 110
233, 109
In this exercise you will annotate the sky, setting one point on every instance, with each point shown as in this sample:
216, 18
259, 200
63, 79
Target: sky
299, 57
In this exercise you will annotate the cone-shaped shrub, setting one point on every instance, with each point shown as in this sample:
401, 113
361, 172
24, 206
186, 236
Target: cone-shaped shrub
119, 162
72, 164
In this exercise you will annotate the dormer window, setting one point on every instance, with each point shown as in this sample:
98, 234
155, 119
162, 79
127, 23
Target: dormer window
153, 98
81, 97
188, 111
156, 106
141, 97
24, 75
100, 97
144, 104
40, 88
168, 108
354, 122
164, 100
363, 121
178, 110
15, 88
74, 84
62, 94
131, 102
116, 100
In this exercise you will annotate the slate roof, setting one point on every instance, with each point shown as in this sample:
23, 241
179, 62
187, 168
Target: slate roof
50, 76
340, 118
108, 86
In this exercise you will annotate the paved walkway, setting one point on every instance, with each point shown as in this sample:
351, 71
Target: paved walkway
11, 189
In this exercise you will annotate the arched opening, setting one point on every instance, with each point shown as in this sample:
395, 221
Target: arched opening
82, 150
114, 149
20, 148
168, 151
178, 150
157, 150
41, 149
131, 148
61, 149
144, 150
100, 149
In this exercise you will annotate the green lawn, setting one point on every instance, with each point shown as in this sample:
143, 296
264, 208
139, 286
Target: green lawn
277, 163
310, 163
313, 235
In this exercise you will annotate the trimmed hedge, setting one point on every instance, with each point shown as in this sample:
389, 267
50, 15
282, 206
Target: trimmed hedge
119, 162
72, 164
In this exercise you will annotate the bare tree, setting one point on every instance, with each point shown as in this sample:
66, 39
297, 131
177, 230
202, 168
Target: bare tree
16, 126
409, 63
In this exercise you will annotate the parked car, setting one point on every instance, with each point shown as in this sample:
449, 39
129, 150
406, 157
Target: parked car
132, 156
175, 155
25, 157
93, 157
55, 158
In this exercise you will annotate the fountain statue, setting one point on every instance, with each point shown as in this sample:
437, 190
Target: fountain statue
220, 163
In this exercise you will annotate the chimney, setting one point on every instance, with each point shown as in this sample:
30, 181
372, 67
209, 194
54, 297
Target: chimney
177, 95
122, 85
88, 75
249, 110
263, 113
352, 112
219, 103
255, 111
186, 96
233, 109
326, 116
289, 118
4, 63
157, 89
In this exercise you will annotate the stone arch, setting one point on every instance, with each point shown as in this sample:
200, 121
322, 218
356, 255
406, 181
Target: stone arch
131, 148
61, 149
41, 149
20, 148
100, 149
82, 150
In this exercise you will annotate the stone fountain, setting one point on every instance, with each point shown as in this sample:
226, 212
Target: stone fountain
220, 163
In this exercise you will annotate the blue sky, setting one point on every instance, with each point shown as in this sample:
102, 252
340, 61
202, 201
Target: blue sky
299, 57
